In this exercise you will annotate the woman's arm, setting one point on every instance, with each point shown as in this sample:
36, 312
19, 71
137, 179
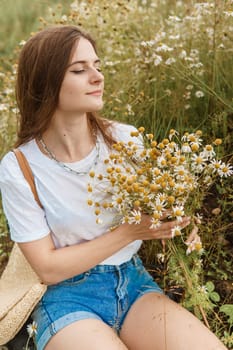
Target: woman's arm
54, 265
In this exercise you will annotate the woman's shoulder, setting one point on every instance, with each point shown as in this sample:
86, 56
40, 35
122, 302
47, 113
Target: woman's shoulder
8, 162
10, 174
9, 167
122, 131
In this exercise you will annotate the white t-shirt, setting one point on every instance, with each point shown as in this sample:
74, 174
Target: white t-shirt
63, 195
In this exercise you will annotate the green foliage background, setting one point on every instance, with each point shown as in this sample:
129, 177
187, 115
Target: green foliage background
167, 64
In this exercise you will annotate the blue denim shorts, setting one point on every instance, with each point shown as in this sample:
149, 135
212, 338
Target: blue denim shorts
105, 292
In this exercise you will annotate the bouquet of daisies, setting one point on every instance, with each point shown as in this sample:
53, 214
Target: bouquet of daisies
171, 176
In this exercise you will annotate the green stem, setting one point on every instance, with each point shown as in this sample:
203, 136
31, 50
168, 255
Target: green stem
27, 344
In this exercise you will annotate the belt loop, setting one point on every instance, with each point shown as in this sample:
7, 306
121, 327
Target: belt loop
135, 260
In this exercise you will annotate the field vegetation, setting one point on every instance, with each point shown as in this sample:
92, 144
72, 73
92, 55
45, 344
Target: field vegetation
167, 64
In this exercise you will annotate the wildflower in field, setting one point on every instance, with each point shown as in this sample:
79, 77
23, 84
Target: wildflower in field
225, 170
161, 257
228, 13
172, 133
74, 6
194, 245
168, 92
163, 48
183, 54
215, 165
187, 95
199, 162
32, 329
22, 43
149, 43
169, 61
203, 289
199, 94
174, 19
3, 107
157, 60
208, 152
64, 18
186, 148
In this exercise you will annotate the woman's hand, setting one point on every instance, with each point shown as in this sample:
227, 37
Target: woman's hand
143, 231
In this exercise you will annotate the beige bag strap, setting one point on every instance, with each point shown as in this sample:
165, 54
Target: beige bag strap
27, 172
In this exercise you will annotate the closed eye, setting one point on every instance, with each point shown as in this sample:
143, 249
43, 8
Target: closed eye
83, 70
78, 71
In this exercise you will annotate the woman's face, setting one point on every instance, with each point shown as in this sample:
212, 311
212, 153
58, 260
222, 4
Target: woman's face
82, 88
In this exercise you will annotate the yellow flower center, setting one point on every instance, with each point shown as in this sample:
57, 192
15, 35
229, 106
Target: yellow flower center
92, 174
119, 200
137, 203
199, 160
218, 142
194, 147
137, 217
171, 199
209, 148
198, 246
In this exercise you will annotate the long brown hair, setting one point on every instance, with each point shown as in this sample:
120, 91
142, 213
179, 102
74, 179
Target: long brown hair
41, 68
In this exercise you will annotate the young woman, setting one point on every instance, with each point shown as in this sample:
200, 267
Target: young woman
99, 295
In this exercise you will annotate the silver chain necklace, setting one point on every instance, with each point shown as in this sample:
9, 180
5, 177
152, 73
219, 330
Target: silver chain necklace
66, 167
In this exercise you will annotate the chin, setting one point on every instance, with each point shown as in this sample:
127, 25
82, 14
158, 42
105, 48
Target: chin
96, 108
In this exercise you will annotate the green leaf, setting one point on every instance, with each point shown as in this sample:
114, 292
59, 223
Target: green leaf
228, 310
215, 297
210, 286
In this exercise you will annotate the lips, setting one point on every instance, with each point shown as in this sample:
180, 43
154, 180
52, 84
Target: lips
95, 93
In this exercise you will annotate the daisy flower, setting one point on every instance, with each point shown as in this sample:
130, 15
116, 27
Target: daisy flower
194, 245
198, 162
135, 217
176, 231
178, 212
186, 148
199, 94
225, 170
203, 289
208, 152
32, 329
155, 223
215, 165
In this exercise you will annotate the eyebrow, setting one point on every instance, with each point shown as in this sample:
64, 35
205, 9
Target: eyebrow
82, 62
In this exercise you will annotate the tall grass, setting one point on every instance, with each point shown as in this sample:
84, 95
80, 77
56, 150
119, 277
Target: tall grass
17, 20
167, 64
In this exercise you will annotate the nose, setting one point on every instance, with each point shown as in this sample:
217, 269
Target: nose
96, 76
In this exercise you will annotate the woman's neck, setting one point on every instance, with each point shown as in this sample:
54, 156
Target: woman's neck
71, 140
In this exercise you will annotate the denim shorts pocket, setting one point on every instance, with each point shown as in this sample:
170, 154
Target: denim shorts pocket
73, 281
142, 271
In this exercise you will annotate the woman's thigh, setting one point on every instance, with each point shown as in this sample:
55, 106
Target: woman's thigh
88, 334
155, 322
